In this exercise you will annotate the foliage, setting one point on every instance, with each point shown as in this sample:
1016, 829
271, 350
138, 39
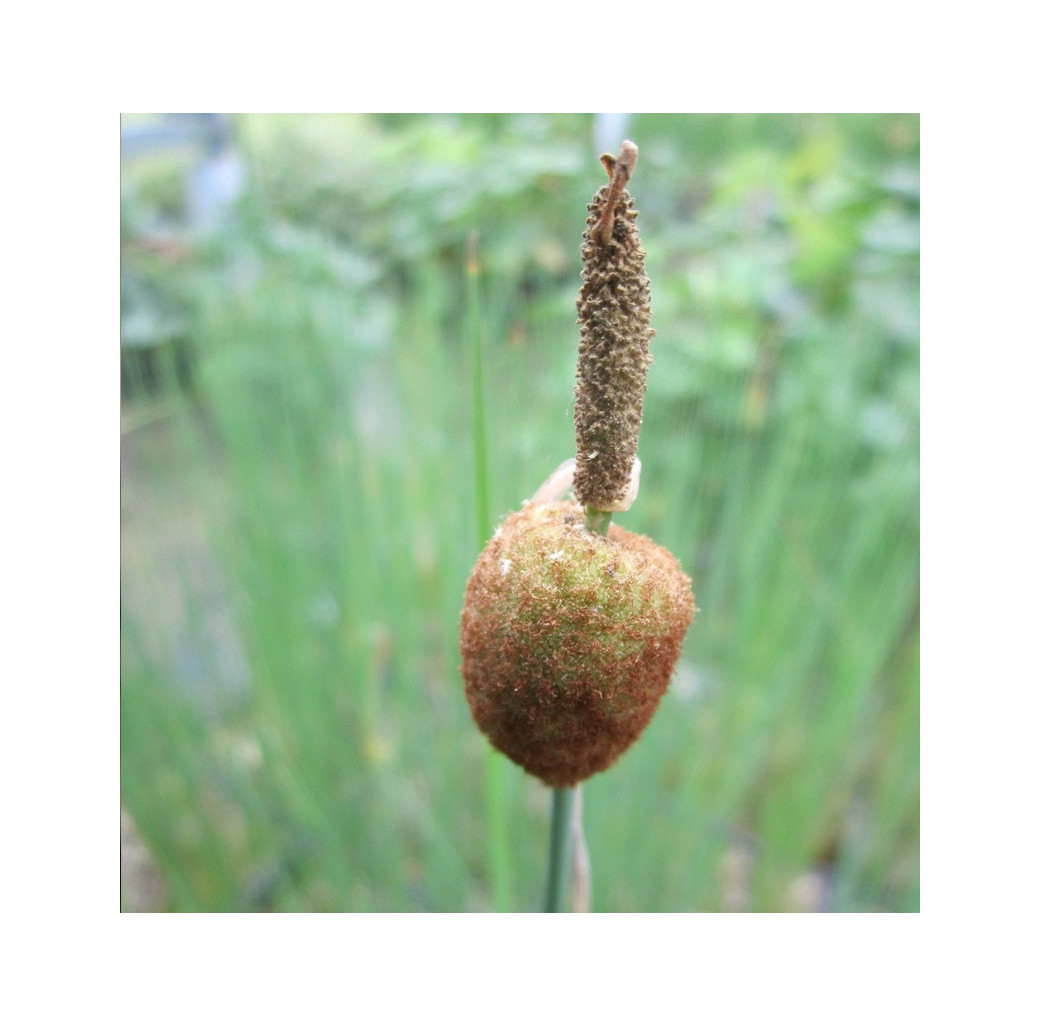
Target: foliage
298, 526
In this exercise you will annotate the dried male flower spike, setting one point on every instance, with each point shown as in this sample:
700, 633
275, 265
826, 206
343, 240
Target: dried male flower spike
569, 640
614, 350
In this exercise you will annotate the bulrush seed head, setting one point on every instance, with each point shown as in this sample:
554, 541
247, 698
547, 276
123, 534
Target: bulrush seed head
614, 350
569, 640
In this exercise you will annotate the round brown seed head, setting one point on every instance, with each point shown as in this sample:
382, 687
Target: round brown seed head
569, 640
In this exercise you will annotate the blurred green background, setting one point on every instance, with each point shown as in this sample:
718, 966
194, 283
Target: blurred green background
300, 300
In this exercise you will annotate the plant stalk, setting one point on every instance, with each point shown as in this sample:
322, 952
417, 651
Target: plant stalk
561, 849
597, 521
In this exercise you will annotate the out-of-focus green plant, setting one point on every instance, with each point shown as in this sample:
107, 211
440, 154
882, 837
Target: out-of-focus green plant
296, 537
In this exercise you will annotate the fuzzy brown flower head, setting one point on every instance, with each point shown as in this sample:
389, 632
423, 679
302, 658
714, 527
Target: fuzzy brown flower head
569, 640
614, 350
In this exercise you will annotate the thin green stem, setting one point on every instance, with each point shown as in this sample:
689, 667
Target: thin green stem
498, 862
481, 463
561, 849
597, 521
